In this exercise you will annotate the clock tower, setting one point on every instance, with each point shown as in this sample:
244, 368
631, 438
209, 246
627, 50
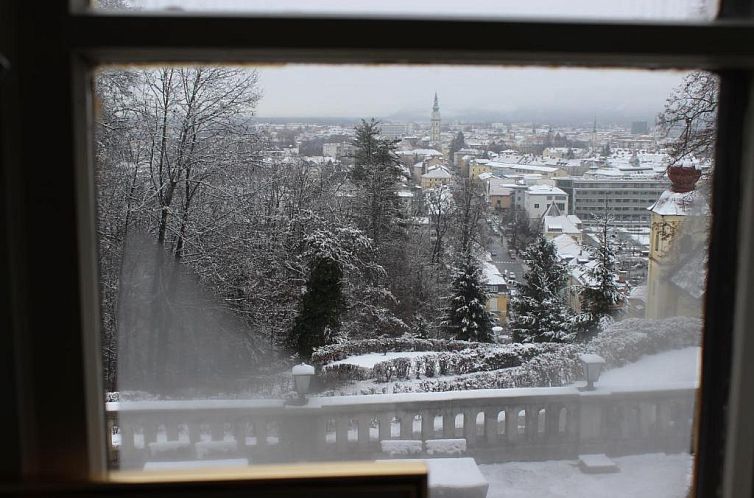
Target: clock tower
435, 133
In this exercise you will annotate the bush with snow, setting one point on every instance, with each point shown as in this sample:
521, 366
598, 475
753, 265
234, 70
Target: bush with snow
623, 342
335, 352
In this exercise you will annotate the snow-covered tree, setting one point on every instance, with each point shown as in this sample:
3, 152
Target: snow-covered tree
467, 318
376, 174
321, 307
688, 120
538, 311
600, 295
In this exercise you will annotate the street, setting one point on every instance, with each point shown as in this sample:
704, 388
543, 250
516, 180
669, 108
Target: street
498, 248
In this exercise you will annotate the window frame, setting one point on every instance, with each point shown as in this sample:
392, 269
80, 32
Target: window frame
50, 303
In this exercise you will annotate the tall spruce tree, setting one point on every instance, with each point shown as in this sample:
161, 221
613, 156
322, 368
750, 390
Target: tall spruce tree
467, 318
538, 311
321, 307
376, 175
600, 295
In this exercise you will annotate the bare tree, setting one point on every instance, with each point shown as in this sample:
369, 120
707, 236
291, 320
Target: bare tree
689, 117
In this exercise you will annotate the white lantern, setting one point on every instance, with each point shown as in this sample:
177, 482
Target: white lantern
302, 376
593, 364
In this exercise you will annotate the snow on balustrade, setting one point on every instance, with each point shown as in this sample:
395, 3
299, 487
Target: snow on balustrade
496, 424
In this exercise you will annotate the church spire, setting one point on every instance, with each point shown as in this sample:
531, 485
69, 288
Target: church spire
436, 106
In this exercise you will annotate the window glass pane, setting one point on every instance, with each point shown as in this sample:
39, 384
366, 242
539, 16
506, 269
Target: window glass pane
576, 9
500, 271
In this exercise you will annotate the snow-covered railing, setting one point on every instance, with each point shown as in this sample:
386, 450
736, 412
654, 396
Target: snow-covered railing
498, 425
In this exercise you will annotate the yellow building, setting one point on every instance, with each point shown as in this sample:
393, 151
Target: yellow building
497, 291
435, 177
476, 168
678, 247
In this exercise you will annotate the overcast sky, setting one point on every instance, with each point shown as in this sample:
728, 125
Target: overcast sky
406, 92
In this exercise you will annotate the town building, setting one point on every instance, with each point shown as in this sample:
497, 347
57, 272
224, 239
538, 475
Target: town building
678, 247
624, 199
497, 291
555, 223
537, 198
435, 177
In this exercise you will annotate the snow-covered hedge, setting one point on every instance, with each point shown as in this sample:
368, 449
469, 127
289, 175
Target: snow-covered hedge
461, 362
335, 352
622, 342
342, 372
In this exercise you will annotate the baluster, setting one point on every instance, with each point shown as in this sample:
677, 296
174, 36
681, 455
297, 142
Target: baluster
194, 430
127, 437
407, 426
428, 425
341, 432
448, 424
239, 433
363, 422
469, 427
260, 431
490, 426
511, 424
385, 421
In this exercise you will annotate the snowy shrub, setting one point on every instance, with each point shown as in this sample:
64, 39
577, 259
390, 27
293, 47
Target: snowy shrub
551, 365
342, 372
461, 362
335, 352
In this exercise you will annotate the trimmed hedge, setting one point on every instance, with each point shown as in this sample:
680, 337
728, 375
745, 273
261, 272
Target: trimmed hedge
334, 352
461, 362
621, 343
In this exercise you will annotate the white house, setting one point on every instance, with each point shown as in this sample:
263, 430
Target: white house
537, 199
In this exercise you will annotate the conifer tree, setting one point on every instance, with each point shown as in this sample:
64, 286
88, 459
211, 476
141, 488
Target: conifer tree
538, 311
321, 307
376, 174
467, 318
600, 295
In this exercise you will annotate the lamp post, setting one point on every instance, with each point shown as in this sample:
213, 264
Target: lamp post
302, 376
593, 364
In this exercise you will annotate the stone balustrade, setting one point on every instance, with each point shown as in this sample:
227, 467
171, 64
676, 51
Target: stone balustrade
498, 425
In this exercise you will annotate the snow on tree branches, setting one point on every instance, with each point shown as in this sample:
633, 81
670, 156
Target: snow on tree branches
467, 318
538, 311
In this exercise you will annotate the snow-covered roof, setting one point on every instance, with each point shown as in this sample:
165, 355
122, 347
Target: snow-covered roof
419, 152
492, 274
568, 224
522, 167
680, 204
544, 190
438, 172
404, 193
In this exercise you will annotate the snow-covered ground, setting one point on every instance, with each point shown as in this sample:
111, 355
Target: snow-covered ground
677, 367
655, 475
369, 360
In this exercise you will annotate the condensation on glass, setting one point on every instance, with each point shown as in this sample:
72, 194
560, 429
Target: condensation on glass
676, 10
499, 271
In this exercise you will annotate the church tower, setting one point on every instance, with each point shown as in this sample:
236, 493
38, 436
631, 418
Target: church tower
435, 133
678, 247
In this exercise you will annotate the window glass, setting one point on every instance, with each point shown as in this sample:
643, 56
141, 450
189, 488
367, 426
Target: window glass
577, 9
305, 263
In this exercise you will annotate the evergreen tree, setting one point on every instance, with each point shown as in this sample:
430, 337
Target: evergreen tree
538, 311
376, 174
467, 318
600, 295
321, 307
458, 143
